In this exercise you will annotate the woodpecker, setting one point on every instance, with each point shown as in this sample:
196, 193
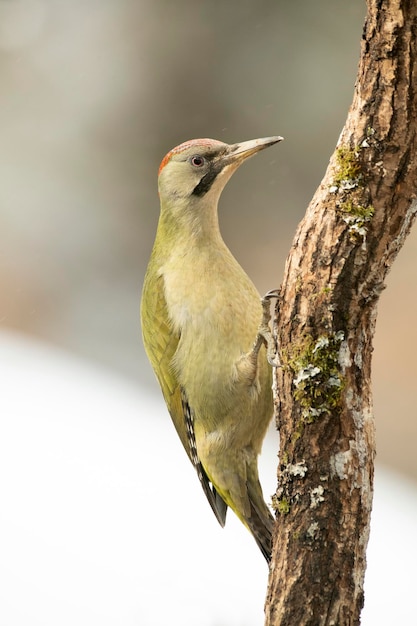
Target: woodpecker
200, 317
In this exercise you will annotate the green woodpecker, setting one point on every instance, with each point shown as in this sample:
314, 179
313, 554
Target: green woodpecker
200, 316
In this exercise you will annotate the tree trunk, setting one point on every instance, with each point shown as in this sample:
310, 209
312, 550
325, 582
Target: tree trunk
352, 231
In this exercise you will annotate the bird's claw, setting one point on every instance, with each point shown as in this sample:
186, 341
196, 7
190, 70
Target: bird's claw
271, 294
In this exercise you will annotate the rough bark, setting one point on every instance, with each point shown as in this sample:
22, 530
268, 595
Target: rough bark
342, 251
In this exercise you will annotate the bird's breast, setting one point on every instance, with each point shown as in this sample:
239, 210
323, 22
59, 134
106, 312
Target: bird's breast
215, 309
208, 292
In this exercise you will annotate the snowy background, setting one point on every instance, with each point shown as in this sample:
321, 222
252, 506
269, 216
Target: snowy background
102, 521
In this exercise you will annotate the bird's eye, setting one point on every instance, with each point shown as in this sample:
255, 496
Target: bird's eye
197, 160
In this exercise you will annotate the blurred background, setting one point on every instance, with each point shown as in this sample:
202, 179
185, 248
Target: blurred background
93, 94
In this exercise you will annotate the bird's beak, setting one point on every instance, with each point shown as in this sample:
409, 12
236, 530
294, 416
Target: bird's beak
239, 152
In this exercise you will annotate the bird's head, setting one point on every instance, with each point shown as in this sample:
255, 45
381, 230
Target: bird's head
196, 172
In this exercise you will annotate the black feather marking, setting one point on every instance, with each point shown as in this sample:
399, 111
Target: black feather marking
208, 179
216, 502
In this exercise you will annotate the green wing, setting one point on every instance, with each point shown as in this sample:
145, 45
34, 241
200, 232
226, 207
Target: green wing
161, 343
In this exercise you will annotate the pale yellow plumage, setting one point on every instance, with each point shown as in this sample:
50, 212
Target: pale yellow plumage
200, 316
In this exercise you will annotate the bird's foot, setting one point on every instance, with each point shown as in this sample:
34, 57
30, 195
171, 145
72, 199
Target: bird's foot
264, 331
270, 337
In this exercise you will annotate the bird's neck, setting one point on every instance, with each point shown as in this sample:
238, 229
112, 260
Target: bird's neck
189, 225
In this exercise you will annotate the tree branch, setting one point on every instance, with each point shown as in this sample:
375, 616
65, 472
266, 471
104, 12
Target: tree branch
352, 231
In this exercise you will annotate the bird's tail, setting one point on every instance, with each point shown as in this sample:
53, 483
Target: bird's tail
260, 522
261, 526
